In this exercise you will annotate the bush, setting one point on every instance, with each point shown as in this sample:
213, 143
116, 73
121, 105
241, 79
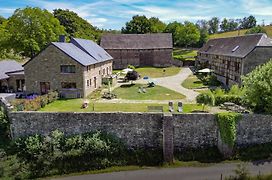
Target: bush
205, 99
131, 67
34, 104
228, 98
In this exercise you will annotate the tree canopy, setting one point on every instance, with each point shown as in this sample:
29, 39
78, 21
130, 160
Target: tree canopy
259, 80
75, 26
29, 30
157, 26
2, 19
138, 25
186, 35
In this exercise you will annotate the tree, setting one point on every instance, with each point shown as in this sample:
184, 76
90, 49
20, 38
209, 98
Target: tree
138, 25
2, 19
75, 26
248, 22
255, 30
224, 26
157, 26
187, 34
31, 29
203, 28
132, 76
172, 28
259, 80
213, 25
205, 99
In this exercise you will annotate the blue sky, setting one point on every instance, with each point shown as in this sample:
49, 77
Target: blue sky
112, 14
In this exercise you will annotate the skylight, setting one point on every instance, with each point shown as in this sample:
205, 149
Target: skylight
234, 49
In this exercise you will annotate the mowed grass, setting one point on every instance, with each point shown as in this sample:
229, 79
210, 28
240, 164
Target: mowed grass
186, 54
193, 82
74, 105
131, 92
242, 32
154, 72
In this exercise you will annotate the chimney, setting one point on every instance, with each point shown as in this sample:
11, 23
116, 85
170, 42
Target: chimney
61, 38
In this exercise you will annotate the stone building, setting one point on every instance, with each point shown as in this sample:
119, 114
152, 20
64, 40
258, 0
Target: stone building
74, 69
12, 77
232, 57
139, 49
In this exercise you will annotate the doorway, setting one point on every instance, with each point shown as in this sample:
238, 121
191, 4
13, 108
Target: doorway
45, 87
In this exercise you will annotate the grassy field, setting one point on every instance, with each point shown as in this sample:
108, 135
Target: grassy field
186, 54
242, 32
153, 72
74, 105
193, 82
154, 93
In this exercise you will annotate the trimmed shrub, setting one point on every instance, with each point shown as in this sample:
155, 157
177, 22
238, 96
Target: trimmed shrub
205, 99
228, 98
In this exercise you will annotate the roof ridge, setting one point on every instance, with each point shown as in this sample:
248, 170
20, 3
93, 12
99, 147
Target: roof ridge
244, 35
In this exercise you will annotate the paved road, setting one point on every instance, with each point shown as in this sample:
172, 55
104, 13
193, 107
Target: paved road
188, 173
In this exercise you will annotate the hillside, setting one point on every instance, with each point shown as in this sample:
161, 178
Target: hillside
242, 32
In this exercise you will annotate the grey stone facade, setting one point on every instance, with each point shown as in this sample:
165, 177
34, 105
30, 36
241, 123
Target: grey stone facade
45, 67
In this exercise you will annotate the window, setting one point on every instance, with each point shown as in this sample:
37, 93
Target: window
99, 72
68, 85
237, 66
234, 49
88, 83
103, 71
107, 71
67, 68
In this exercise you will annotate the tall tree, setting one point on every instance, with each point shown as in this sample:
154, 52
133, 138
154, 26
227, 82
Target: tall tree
187, 34
213, 25
203, 27
248, 22
31, 29
75, 26
138, 25
255, 30
172, 28
157, 26
224, 26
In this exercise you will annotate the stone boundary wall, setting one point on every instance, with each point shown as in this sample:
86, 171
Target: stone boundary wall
146, 130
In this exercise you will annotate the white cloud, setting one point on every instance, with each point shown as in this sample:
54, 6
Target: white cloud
7, 10
258, 7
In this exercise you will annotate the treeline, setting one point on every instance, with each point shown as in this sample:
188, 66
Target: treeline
29, 30
190, 34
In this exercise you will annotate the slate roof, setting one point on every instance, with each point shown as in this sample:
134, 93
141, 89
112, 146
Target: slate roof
137, 41
238, 46
7, 66
85, 52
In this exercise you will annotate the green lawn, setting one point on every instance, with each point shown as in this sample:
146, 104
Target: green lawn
155, 93
74, 105
154, 72
193, 82
184, 54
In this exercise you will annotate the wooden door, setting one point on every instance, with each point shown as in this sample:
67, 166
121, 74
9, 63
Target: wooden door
45, 87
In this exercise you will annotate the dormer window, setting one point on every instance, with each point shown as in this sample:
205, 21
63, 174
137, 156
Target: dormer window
234, 49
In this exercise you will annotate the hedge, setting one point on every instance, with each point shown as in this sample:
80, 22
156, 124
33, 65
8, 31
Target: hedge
228, 98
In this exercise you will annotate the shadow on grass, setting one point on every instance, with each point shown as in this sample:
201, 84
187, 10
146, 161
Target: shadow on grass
127, 85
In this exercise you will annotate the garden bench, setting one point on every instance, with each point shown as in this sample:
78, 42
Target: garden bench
155, 108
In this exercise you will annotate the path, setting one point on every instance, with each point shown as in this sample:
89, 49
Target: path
184, 173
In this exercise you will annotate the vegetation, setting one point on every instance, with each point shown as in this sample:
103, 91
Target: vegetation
184, 54
255, 30
153, 72
131, 92
268, 30
35, 103
259, 80
29, 30
205, 99
227, 125
76, 26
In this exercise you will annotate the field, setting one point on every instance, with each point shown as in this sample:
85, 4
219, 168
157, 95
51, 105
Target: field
184, 54
153, 72
193, 82
74, 105
242, 32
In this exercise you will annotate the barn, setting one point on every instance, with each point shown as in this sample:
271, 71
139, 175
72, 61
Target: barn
139, 50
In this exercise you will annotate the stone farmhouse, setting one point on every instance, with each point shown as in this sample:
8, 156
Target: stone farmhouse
232, 57
11, 76
139, 49
74, 69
